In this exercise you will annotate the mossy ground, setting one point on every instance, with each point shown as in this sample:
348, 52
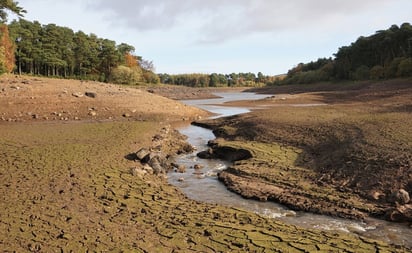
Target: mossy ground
68, 187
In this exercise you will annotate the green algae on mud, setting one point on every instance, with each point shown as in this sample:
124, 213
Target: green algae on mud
68, 187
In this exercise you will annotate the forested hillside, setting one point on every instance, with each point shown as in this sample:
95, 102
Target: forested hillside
386, 54
52, 50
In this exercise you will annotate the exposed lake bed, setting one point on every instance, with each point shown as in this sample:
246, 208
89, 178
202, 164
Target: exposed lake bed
207, 188
70, 185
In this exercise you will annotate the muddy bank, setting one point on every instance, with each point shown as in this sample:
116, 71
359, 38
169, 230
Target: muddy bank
350, 158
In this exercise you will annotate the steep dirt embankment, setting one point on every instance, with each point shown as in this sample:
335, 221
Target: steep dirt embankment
339, 152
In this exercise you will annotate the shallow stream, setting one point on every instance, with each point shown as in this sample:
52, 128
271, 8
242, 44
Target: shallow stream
203, 185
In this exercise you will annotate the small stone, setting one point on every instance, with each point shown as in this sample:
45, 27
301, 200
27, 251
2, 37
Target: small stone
198, 167
143, 155
148, 169
77, 94
376, 195
92, 113
181, 169
181, 179
138, 172
126, 115
156, 165
90, 94
207, 154
402, 197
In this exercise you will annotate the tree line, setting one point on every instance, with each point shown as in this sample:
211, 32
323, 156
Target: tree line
385, 54
51, 50
216, 80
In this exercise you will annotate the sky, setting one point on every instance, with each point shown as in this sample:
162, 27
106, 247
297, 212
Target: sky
225, 36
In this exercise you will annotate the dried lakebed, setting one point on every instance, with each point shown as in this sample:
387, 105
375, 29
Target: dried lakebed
202, 184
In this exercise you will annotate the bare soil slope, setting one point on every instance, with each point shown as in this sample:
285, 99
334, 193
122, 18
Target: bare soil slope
28, 98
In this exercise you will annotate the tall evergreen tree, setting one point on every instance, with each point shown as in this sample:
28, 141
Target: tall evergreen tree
10, 5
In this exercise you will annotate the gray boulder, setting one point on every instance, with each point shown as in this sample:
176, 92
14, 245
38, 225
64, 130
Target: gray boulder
156, 165
143, 155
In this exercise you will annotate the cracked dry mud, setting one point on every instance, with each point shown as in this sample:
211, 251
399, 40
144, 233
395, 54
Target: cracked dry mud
71, 189
68, 187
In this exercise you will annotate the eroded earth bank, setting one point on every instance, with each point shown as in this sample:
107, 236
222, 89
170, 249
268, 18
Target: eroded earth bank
343, 150
70, 182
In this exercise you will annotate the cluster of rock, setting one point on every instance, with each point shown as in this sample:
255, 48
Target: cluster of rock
159, 158
403, 207
154, 162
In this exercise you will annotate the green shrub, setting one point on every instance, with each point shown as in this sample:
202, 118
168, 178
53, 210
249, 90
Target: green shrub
126, 75
150, 77
405, 68
377, 72
391, 70
361, 73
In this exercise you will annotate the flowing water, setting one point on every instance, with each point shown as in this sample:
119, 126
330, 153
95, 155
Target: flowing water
203, 185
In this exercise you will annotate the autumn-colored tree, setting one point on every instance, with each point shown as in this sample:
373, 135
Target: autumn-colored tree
6, 46
131, 60
6, 51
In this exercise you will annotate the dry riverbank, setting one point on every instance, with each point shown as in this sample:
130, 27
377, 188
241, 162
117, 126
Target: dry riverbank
337, 150
68, 183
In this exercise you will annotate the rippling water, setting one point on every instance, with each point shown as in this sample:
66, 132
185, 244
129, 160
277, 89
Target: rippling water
203, 185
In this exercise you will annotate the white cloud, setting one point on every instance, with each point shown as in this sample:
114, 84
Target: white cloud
224, 35
220, 20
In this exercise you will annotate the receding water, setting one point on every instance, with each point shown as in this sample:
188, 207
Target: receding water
203, 185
